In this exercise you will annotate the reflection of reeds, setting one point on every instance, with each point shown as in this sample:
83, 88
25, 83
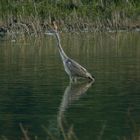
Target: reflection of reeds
50, 135
24, 132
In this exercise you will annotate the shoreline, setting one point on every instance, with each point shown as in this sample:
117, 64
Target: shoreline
42, 29
35, 17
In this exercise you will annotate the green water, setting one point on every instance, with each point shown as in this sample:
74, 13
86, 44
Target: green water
35, 90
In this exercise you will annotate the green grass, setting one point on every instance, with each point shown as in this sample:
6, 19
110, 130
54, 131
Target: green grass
72, 14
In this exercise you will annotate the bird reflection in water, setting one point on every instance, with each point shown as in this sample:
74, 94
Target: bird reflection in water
72, 93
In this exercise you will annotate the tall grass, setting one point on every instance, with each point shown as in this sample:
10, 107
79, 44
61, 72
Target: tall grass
91, 15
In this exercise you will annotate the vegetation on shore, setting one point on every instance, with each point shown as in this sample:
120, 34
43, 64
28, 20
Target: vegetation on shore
71, 15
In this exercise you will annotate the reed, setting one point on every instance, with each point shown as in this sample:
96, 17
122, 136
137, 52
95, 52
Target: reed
32, 16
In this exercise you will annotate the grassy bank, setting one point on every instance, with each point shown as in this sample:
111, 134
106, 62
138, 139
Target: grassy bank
71, 15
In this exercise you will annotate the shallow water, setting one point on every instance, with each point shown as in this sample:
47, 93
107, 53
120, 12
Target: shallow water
35, 93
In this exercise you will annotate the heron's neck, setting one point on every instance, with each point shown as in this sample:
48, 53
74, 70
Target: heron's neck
61, 51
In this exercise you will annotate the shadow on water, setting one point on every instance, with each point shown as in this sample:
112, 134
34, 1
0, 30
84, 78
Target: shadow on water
72, 93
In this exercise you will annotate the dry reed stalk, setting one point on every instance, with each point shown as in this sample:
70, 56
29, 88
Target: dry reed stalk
34, 29
24, 132
49, 133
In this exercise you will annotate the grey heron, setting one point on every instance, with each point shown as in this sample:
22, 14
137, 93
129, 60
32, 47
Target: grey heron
72, 68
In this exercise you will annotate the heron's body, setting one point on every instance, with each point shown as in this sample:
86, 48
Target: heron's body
72, 68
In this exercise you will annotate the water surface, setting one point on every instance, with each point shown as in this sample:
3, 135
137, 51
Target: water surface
35, 90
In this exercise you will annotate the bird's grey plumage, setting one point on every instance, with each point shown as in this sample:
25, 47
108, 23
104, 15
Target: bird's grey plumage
75, 68
72, 68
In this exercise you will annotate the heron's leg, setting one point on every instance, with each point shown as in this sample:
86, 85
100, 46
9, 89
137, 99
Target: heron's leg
73, 79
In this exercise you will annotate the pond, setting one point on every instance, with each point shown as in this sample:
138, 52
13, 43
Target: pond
37, 101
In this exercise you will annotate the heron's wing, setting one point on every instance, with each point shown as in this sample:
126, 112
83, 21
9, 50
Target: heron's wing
75, 68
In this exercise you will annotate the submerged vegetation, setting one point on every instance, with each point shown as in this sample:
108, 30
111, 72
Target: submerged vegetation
72, 15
